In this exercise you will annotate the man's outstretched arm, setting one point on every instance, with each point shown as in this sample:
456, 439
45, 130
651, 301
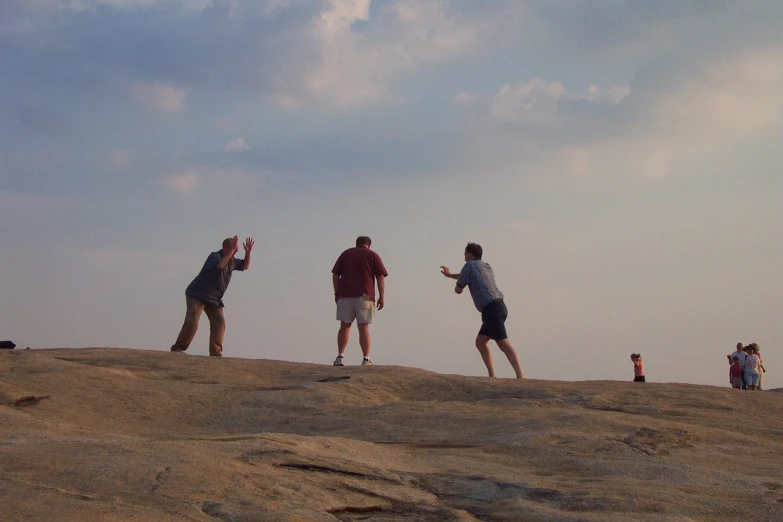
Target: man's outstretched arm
445, 271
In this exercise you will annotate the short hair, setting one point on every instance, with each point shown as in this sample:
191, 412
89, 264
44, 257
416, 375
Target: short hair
475, 249
229, 241
736, 359
363, 240
739, 346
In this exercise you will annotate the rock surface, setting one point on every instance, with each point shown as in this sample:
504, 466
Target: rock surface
114, 434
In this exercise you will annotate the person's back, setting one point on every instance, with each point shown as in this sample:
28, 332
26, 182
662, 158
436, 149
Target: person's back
358, 267
479, 277
354, 276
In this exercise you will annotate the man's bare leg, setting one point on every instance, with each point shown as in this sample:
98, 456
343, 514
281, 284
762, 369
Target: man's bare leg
343, 334
506, 348
482, 343
364, 339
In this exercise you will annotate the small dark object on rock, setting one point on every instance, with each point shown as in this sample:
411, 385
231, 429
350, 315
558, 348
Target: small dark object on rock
334, 378
7, 345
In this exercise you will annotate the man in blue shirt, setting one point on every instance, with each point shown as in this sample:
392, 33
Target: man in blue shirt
205, 294
480, 279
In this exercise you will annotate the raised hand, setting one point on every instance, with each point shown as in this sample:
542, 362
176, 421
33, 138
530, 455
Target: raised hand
248, 246
235, 240
445, 271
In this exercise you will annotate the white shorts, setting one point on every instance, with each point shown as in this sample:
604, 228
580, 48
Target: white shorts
360, 308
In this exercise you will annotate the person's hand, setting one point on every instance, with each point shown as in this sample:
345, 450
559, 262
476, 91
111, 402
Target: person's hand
445, 271
379, 306
248, 246
235, 242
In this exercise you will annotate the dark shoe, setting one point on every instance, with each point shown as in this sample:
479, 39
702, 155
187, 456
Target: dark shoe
176, 349
219, 354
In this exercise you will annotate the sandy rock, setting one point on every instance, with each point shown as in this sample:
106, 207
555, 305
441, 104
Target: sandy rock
110, 434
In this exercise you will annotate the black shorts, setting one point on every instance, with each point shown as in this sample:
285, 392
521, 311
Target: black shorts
639, 378
493, 320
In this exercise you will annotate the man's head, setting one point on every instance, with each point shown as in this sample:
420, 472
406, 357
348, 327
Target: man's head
229, 244
739, 346
363, 241
473, 251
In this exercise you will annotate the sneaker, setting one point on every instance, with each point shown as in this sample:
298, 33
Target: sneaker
366, 362
339, 361
177, 350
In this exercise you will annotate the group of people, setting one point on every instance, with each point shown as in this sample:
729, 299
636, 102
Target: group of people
355, 275
746, 371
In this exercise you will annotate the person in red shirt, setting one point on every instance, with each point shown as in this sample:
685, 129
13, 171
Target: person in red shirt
735, 374
354, 276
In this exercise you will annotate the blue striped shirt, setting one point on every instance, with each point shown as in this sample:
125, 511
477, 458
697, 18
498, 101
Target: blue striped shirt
480, 279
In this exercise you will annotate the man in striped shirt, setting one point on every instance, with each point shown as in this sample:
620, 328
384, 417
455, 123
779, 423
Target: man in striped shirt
480, 279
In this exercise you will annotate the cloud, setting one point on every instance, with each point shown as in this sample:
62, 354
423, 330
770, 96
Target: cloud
185, 183
538, 101
672, 111
237, 144
467, 98
159, 97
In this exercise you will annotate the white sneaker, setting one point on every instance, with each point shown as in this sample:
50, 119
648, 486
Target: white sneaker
366, 362
339, 361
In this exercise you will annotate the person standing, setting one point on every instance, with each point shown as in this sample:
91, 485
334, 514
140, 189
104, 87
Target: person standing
762, 370
354, 276
205, 294
740, 354
752, 363
735, 374
480, 279
638, 368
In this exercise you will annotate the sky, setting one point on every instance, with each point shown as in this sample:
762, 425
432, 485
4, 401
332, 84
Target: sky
619, 161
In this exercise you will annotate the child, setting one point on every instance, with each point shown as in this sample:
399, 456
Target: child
638, 367
735, 374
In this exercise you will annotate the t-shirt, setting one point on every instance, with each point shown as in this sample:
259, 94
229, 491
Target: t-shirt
741, 355
210, 284
638, 369
480, 279
735, 371
358, 267
752, 362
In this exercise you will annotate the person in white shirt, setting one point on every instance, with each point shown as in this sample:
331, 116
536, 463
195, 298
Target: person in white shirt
752, 368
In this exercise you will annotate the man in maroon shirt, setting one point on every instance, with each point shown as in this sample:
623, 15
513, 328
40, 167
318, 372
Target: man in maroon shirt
353, 277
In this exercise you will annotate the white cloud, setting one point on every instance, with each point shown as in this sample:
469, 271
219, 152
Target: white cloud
185, 183
356, 67
237, 144
467, 98
536, 101
159, 96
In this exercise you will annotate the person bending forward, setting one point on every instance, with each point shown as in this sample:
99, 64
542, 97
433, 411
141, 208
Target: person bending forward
205, 294
480, 279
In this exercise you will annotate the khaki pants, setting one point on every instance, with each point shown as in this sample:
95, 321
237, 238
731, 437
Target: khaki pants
217, 326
